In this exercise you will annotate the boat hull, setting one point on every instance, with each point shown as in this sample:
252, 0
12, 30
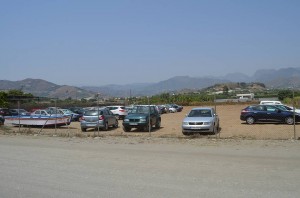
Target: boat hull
38, 120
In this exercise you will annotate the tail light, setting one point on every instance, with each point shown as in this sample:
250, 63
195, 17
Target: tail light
81, 118
122, 110
245, 111
101, 117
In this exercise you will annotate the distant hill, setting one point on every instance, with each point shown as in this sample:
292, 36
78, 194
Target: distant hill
271, 78
42, 88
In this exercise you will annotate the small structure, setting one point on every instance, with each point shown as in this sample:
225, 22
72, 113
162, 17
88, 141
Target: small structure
249, 96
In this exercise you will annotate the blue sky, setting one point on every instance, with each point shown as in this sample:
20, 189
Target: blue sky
100, 42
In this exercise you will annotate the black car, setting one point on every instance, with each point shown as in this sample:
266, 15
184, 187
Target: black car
1, 120
268, 113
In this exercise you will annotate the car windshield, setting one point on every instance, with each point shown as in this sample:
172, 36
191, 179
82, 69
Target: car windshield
140, 109
200, 113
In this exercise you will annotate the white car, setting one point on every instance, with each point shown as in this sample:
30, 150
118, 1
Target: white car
119, 111
171, 109
270, 102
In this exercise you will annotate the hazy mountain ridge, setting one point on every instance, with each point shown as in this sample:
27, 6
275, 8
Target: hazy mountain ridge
272, 78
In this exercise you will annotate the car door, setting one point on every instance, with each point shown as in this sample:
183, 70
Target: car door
109, 116
274, 114
154, 115
259, 112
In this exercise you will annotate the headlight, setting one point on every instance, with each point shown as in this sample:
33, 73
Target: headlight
126, 120
185, 123
206, 123
143, 119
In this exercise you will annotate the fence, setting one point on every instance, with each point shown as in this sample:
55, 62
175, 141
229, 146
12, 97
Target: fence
230, 127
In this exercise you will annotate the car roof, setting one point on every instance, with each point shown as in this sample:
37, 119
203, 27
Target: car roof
197, 108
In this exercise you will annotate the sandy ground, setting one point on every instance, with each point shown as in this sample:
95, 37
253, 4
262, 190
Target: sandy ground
114, 166
230, 123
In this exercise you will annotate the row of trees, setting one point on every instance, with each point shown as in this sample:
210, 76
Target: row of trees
12, 97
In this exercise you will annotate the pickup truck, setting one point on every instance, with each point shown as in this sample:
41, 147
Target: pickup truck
139, 116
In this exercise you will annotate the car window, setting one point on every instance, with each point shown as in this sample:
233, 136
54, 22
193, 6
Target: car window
259, 108
271, 108
93, 113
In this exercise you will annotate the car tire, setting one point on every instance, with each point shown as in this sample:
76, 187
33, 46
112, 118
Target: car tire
289, 120
126, 129
146, 128
83, 129
185, 133
250, 120
105, 127
116, 125
157, 125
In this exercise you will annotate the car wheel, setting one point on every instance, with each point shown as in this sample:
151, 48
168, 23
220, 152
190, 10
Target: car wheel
185, 133
116, 125
250, 120
105, 127
146, 128
157, 125
126, 129
83, 129
289, 120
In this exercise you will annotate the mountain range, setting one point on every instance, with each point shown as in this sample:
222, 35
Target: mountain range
272, 78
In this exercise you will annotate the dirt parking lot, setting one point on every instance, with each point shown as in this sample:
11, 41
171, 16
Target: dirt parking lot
230, 123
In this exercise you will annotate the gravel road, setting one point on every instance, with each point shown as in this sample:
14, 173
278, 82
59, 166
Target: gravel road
40, 166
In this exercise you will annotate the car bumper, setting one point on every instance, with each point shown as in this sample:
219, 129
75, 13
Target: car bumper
134, 124
197, 128
91, 125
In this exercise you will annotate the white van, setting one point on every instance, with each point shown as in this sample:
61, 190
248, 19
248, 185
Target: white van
270, 102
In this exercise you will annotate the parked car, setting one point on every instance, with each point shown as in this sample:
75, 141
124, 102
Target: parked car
44, 112
78, 110
201, 119
163, 109
139, 117
119, 111
100, 118
270, 102
67, 112
170, 108
2, 120
15, 112
267, 113
4, 112
177, 107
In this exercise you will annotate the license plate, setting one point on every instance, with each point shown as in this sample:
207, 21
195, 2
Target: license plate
133, 124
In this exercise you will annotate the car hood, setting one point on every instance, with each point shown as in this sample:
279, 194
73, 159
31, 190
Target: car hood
198, 119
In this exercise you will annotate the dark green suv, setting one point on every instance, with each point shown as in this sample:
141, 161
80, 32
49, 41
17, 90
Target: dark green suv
138, 118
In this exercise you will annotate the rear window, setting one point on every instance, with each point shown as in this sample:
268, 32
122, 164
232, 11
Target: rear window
93, 113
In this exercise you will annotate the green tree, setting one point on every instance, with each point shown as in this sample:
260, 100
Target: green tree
282, 94
3, 99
